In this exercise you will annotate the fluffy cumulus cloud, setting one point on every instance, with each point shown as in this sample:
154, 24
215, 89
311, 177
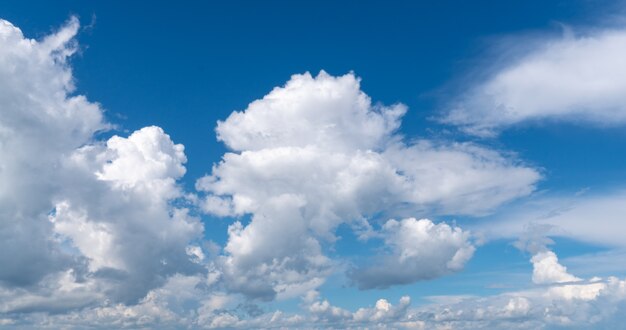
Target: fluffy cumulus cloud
382, 314
546, 266
547, 269
330, 112
122, 219
579, 78
40, 121
82, 222
315, 154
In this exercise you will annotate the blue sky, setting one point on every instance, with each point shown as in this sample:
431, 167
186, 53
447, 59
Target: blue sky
316, 164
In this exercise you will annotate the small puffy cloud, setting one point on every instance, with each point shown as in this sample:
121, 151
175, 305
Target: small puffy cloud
146, 158
381, 314
420, 250
575, 78
547, 269
315, 154
546, 266
323, 310
383, 311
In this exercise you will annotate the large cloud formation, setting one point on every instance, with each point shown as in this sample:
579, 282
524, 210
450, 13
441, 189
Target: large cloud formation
81, 221
40, 122
315, 154
576, 79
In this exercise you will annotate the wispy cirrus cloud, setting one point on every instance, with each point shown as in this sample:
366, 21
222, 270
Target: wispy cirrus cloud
579, 78
594, 218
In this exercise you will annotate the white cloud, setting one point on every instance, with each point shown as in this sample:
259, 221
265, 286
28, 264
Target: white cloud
124, 223
315, 154
274, 254
40, 122
147, 158
56, 292
586, 292
159, 308
593, 303
383, 311
547, 269
323, 310
187, 302
94, 240
576, 79
591, 218
82, 223
546, 266
459, 178
329, 112
420, 250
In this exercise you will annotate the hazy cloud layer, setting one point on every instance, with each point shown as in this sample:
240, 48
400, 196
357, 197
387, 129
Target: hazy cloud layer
592, 303
595, 218
577, 78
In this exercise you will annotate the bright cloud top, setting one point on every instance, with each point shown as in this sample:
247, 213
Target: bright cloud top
328, 112
576, 79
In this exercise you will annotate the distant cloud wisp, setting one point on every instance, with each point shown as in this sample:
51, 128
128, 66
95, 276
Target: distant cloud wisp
578, 78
